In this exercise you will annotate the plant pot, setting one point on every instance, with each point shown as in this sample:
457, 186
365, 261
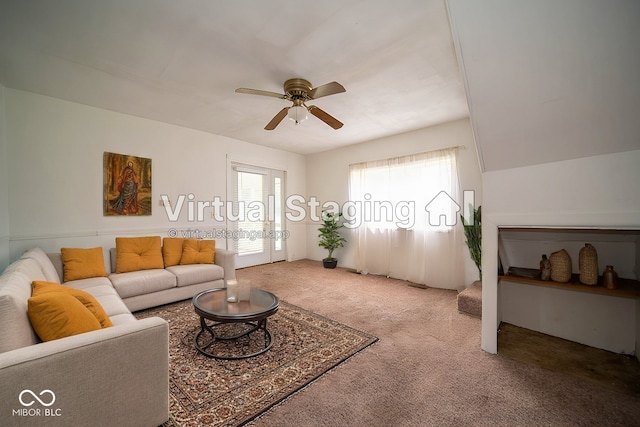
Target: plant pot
330, 262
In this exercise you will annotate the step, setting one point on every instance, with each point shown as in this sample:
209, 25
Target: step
470, 300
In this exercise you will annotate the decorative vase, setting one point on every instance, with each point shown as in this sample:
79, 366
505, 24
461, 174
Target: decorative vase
560, 266
545, 268
588, 265
610, 278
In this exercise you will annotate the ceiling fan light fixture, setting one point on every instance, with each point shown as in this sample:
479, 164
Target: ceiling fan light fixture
298, 114
298, 91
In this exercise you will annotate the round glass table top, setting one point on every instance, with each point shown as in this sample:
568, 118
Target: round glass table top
213, 305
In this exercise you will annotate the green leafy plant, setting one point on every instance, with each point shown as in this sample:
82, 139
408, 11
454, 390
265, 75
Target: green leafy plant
330, 238
473, 233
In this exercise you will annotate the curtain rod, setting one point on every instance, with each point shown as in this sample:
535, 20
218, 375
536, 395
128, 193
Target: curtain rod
461, 147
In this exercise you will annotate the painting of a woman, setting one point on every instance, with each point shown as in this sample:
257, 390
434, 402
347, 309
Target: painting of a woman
127, 201
127, 181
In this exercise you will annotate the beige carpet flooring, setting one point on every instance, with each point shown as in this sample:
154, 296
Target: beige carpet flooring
427, 369
618, 372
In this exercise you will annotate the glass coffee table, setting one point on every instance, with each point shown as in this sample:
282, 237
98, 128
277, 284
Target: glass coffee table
226, 328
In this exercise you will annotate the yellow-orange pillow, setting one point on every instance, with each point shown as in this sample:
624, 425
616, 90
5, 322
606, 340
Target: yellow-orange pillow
195, 251
41, 287
172, 250
138, 253
81, 263
56, 315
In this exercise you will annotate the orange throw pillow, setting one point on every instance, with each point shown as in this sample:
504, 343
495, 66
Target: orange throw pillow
41, 287
81, 263
138, 253
195, 251
55, 315
172, 250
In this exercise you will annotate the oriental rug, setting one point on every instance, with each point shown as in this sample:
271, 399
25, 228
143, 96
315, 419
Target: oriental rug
212, 392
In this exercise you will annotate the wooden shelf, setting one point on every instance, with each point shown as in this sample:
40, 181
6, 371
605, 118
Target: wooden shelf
627, 288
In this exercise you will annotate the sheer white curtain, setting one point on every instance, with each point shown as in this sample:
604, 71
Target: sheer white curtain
405, 215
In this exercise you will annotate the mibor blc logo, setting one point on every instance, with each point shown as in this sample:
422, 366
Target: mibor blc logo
42, 402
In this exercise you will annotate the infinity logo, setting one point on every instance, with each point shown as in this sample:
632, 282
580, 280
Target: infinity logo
34, 396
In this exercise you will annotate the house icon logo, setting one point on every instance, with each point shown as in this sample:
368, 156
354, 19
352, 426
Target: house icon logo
442, 206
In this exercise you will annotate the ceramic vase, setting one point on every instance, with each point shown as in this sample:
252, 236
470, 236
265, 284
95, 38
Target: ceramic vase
545, 268
610, 278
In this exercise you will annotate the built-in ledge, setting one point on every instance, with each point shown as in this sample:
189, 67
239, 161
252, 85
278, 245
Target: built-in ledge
593, 315
627, 288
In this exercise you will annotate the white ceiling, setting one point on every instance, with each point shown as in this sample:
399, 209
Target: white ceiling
179, 62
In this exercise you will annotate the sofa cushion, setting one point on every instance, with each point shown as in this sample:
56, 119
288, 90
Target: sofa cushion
113, 305
138, 253
142, 282
172, 250
124, 318
200, 273
49, 270
88, 300
57, 315
105, 293
196, 251
82, 263
56, 260
15, 327
86, 284
29, 267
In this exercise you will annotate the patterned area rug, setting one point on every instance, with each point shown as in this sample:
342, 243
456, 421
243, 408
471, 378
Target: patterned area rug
206, 391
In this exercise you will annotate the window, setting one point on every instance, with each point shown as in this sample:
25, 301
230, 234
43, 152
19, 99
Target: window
411, 192
404, 214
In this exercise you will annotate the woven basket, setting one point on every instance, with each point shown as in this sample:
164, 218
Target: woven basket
588, 265
560, 266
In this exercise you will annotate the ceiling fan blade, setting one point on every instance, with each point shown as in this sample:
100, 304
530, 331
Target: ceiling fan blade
325, 117
260, 92
325, 90
277, 119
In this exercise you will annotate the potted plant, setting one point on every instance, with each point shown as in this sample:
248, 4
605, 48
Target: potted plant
473, 233
330, 239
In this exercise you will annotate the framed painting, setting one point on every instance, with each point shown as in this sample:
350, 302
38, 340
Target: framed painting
127, 185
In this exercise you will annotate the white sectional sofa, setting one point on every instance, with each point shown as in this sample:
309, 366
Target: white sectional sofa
153, 287
115, 376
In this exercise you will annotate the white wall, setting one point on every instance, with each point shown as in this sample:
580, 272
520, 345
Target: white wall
600, 191
328, 175
4, 188
55, 162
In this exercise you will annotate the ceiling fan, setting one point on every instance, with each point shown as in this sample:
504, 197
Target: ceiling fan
300, 91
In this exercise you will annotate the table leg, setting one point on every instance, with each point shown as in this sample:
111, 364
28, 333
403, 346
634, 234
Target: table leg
205, 348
